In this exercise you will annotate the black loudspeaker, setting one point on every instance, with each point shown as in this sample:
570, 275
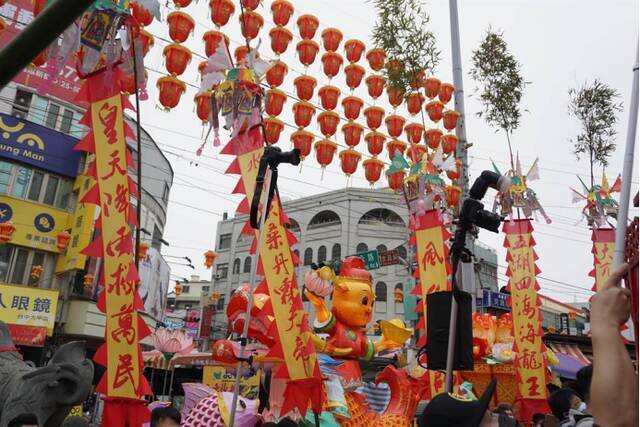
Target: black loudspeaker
438, 317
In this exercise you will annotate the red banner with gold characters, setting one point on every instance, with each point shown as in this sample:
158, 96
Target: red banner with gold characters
604, 240
530, 362
432, 255
123, 381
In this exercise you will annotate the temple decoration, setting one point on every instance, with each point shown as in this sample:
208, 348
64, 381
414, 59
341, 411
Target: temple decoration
600, 204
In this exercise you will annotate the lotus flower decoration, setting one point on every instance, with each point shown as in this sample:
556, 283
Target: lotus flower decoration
172, 342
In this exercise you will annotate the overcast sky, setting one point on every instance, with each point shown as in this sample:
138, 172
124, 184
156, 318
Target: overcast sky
560, 44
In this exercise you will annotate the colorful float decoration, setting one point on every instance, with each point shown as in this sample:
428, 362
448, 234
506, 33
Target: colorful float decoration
600, 204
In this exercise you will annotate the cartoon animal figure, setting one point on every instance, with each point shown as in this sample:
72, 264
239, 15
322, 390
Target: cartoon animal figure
352, 308
45, 394
600, 202
520, 196
406, 392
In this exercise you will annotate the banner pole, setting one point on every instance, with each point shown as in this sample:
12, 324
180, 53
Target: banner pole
252, 279
627, 170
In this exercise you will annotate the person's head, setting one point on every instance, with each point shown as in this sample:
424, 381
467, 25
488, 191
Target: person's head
447, 410
552, 387
504, 408
167, 416
562, 401
287, 422
583, 378
75, 422
538, 420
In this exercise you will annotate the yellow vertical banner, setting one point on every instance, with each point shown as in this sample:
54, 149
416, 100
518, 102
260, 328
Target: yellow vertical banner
603, 246
530, 363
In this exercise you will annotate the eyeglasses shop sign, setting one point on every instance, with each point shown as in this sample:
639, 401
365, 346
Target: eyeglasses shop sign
38, 146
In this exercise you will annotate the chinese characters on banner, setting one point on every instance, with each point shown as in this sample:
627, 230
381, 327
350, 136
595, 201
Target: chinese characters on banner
118, 300
603, 246
530, 364
290, 320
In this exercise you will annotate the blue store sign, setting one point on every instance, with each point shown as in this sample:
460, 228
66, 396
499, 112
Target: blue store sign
494, 300
38, 146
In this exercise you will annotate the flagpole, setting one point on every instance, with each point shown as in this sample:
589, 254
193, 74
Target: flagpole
627, 170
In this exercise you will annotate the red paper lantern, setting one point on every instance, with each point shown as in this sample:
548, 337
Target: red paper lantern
127, 83
375, 84
450, 119
180, 26
303, 112
221, 11
62, 240
453, 195
416, 151
272, 129
445, 92
275, 74
250, 24
433, 137
375, 142
434, 110
212, 40
202, 66
250, 4
331, 38
376, 58
282, 11
209, 258
307, 25
182, 3
176, 57
240, 54
374, 116
395, 145
325, 150
302, 140
349, 160
432, 87
352, 133
203, 106
455, 174
414, 103
354, 50
395, 96
142, 15
449, 142
6, 231
328, 123
329, 97
352, 106
372, 170
418, 81
274, 102
304, 87
331, 63
414, 132
171, 89
147, 41
280, 39
307, 51
394, 124
354, 74
396, 180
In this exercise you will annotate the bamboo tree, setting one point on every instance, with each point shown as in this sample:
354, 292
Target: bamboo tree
498, 75
596, 107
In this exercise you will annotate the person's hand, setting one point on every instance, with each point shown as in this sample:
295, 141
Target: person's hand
611, 306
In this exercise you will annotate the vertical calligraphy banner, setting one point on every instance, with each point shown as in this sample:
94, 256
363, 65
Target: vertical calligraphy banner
123, 382
603, 246
530, 363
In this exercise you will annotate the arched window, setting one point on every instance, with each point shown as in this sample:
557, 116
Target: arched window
381, 292
293, 226
381, 248
382, 216
362, 247
322, 254
236, 266
308, 256
336, 252
402, 252
324, 219
247, 265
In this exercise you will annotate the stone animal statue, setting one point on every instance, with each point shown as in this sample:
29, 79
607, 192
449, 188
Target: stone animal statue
44, 395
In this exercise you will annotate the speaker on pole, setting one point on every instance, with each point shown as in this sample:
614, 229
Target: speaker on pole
438, 316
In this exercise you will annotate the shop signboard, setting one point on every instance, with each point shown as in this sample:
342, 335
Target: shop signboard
28, 306
219, 379
391, 257
370, 258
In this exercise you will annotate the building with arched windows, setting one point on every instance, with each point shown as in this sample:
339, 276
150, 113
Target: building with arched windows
329, 227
